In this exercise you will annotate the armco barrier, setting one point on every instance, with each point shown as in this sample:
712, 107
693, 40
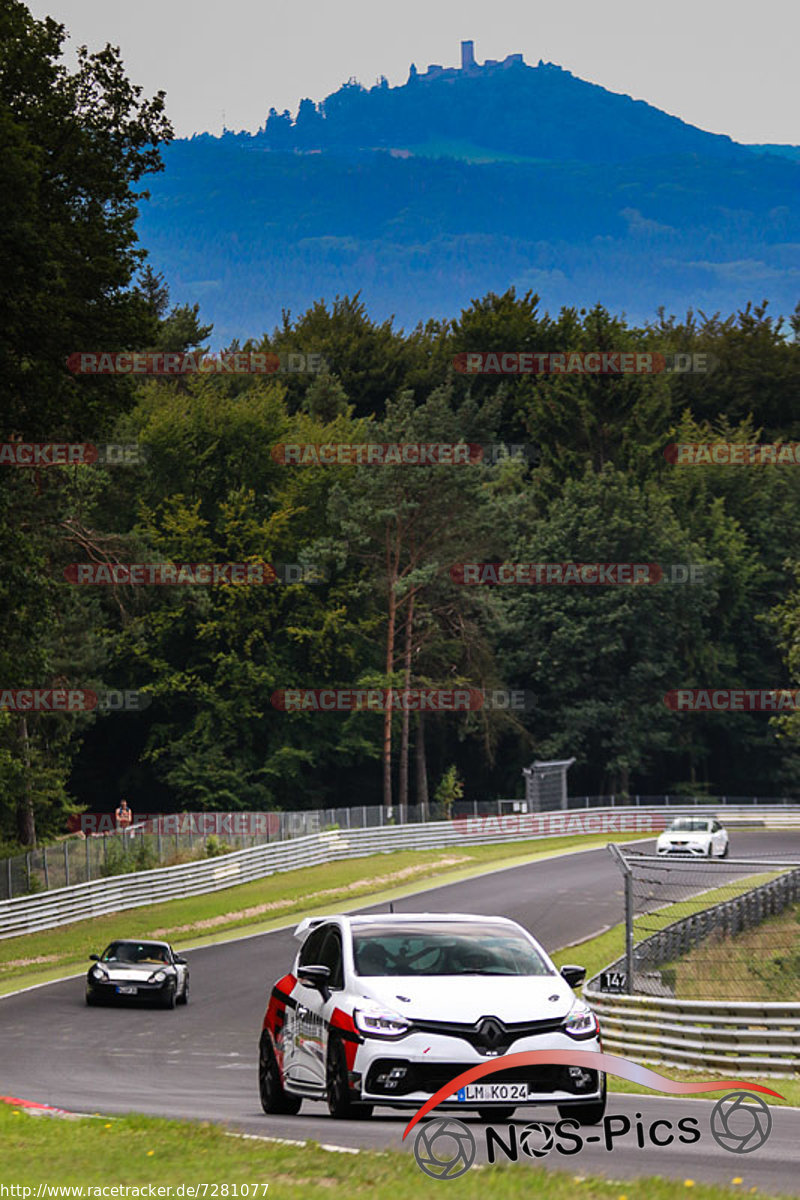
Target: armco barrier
120, 892
721, 1036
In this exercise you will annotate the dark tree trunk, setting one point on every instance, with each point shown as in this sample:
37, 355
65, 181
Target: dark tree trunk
422, 768
404, 736
26, 822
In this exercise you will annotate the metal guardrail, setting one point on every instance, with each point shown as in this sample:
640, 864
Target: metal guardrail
62, 906
709, 1034
698, 1034
78, 860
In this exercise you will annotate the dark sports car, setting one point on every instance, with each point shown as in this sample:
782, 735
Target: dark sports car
138, 971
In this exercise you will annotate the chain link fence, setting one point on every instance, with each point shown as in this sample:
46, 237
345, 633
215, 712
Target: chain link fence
709, 929
77, 859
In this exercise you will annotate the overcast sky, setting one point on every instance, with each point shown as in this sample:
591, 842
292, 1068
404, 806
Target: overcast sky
728, 66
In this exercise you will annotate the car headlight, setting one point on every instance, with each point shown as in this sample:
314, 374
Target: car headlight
98, 973
157, 977
582, 1023
380, 1024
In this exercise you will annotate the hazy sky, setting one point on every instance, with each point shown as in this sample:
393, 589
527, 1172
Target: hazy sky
728, 66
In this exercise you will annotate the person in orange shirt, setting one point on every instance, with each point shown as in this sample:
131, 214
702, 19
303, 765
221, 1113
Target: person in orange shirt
123, 815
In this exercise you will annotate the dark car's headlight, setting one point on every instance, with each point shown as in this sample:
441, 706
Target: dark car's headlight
98, 974
380, 1024
582, 1023
159, 976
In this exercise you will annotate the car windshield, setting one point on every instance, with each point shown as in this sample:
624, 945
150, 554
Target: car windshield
449, 948
689, 825
136, 952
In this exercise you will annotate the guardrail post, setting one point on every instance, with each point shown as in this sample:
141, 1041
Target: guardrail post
28, 868
8, 875
46, 872
66, 863
628, 877
88, 862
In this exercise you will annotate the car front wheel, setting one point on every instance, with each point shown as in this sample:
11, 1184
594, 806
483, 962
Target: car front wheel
273, 1097
168, 999
340, 1103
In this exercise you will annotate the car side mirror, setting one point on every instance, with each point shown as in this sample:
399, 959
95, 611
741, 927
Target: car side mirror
94, 957
573, 975
316, 977
179, 959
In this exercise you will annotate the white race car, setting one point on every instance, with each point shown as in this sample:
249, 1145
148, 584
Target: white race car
696, 837
387, 1009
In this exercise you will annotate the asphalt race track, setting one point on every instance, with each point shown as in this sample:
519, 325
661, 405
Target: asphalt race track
201, 1061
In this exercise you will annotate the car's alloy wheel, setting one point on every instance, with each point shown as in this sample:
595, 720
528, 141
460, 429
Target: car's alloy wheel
495, 1114
586, 1114
340, 1104
273, 1097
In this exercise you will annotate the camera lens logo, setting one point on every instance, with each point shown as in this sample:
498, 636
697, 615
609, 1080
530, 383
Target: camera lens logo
738, 1126
536, 1139
444, 1148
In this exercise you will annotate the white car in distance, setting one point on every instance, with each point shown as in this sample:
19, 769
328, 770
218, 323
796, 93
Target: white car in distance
694, 837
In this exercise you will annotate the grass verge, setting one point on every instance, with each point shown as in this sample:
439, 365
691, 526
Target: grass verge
140, 1151
267, 903
758, 964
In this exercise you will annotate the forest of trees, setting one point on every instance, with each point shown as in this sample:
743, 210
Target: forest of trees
386, 610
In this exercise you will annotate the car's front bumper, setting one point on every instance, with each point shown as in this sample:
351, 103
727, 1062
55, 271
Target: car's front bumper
407, 1072
144, 991
686, 850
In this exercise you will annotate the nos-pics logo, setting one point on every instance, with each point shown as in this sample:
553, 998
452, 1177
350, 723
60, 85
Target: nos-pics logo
445, 1147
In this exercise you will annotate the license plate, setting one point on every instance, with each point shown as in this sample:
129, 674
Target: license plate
504, 1092
127, 991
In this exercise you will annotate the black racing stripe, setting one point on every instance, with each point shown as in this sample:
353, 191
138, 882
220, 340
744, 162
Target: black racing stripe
347, 1035
285, 997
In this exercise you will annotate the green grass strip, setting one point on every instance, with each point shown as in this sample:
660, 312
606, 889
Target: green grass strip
139, 1151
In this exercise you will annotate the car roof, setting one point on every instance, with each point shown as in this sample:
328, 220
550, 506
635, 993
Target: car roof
417, 918
140, 941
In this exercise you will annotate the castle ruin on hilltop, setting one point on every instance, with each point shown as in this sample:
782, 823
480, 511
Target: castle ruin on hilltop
468, 65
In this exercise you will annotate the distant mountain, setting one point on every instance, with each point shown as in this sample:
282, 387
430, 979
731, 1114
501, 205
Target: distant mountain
464, 181
541, 112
